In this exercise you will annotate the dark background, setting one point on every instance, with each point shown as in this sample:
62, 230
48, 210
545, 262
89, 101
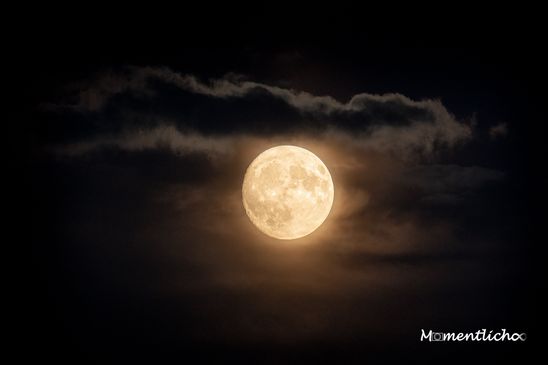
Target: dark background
72, 309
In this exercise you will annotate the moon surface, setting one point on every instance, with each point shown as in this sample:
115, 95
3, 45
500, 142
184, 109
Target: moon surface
287, 192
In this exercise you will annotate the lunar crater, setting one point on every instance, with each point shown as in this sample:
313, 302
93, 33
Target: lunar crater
287, 192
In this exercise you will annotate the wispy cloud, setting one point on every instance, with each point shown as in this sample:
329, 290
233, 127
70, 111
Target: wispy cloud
162, 136
499, 130
390, 122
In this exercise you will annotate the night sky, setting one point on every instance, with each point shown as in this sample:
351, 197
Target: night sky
134, 145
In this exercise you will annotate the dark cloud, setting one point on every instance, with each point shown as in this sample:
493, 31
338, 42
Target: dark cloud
149, 97
162, 136
447, 179
498, 131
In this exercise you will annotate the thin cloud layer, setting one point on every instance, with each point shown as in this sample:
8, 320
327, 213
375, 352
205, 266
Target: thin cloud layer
498, 131
164, 136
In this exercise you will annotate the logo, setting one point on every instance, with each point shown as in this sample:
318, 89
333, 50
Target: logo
479, 336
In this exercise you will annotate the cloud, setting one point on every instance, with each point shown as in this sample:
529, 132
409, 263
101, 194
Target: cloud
449, 185
94, 94
391, 123
441, 179
498, 131
163, 136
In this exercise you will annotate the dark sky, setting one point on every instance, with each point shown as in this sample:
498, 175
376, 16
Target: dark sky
134, 150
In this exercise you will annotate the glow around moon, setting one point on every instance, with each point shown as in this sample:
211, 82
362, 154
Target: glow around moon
287, 192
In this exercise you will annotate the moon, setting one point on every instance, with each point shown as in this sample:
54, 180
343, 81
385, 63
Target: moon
287, 192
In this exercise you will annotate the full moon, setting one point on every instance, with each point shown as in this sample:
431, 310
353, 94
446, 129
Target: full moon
287, 192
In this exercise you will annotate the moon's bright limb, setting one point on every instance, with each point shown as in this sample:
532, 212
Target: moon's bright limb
287, 192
